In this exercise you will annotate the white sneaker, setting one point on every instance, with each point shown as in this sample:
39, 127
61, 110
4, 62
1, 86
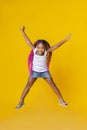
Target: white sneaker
64, 104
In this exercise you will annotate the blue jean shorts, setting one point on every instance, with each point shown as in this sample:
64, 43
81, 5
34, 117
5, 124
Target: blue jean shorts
45, 74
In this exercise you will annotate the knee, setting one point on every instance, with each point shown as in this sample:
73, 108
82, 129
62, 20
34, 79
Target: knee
29, 85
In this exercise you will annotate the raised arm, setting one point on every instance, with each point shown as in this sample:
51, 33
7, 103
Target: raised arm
26, 37
59, 44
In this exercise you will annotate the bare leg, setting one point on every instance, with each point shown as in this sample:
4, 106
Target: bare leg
25, 91
56, 90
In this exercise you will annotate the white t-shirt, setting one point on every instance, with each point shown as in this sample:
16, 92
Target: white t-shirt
39, 62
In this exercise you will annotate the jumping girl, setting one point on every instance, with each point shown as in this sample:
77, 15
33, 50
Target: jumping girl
38, 64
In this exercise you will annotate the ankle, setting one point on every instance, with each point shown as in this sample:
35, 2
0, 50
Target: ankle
21, 101
61, 100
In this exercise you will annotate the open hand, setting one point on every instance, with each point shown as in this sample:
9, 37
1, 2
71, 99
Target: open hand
68, 38
22, 28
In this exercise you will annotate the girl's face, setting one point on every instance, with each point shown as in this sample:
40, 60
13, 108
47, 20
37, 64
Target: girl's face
40, 49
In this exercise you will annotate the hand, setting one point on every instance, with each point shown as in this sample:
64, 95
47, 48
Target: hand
68, 38
22, 29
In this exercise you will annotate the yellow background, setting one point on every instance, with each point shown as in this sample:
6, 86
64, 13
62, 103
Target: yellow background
51, 20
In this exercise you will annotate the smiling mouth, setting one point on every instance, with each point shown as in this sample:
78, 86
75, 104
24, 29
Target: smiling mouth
40, 51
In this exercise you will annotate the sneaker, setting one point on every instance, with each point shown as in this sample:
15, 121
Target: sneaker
20, 105
64, 104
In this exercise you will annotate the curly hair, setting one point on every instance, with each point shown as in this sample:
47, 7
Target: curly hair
44, 42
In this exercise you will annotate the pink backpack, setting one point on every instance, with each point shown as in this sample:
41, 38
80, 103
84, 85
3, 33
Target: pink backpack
31, 54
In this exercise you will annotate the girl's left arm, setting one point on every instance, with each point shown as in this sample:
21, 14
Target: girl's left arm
59, 43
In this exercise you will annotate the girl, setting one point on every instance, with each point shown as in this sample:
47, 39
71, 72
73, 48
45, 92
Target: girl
41, 49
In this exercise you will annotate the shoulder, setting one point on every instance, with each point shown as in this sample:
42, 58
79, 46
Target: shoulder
45, 52
34, 50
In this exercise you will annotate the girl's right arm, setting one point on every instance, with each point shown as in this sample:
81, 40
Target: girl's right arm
26, 38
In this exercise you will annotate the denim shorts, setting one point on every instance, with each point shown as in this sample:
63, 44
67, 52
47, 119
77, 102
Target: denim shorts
45, 74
